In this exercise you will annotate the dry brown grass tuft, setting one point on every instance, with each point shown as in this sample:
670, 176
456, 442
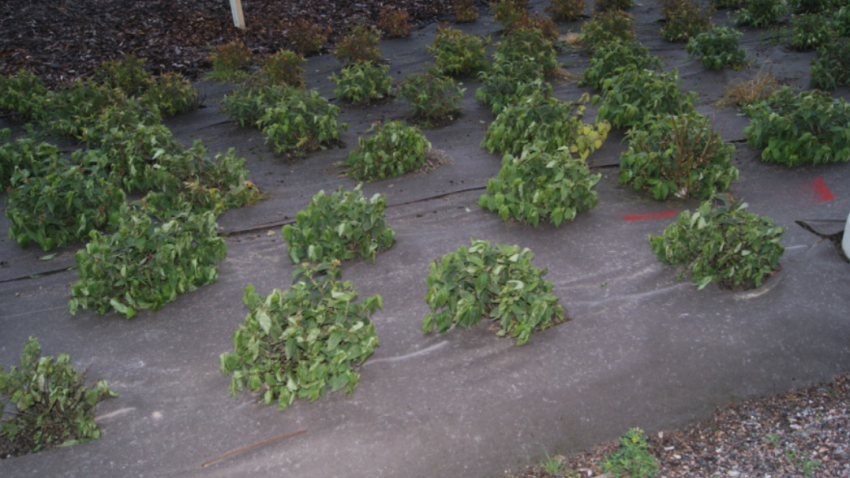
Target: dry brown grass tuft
740, 92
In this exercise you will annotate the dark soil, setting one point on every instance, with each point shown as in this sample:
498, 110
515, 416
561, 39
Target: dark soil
64, 39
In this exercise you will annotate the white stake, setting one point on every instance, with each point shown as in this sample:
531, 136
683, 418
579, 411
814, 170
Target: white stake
238, 17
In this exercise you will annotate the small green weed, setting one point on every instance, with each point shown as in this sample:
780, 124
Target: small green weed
632, 458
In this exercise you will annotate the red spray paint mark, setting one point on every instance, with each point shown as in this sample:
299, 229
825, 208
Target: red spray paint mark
642, 217
822, 190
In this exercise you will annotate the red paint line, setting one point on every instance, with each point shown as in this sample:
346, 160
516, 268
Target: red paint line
822, 190
642, 217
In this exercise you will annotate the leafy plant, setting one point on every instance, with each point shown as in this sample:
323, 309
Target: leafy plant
745, 92
171, 94
537, 22
547, 122
685, 19
361, 83
53, 405
804, 128
566, 10
457, 53
127, 74
141, 158
75, 110
360, 45
729, 4
284, 68
608, 26
529, 46
634, 97
434, 97
498, 282
395, 23
724, 244
341, 226
23, 93
718, 48
812, 6
678, 155
761, 13
465, 11
154, 256
61, 207
508, 12
230, 61
303, 341
840, 22
613, 57
301, 121
307, 37
831, 68
606, 5
248, 103
394, 149
541, 186
632, 458
217, 184
26, 156
810, 31
508, 82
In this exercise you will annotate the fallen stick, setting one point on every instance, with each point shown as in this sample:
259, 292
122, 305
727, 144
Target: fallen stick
240, 450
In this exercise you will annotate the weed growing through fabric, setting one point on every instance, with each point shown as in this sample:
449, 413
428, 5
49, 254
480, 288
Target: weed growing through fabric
632, 458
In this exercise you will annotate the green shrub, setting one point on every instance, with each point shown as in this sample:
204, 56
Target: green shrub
634, 97
685, 20
394, 23
547, 122
508, 82
141, 158
217, 184
457, 53
508, 12
361, 83
53, 406
528, 46
465, 11
153, 256
539, 186
608, 26
434, 97
230, 61
360, 45
24, 94
840, 22
284, 68
566, 10
729, 4
300, 122
394, 149
537, 22
718, 48
761, 13
303, 341
678, 155
75, 110
812, 6
810, 31
61, 207
341, 226
498, 282
607, 5
632, 458
831, 68
613, 57
800, 129
34, 159
307, 37
171, 94
247, 103
127, 74
724, 244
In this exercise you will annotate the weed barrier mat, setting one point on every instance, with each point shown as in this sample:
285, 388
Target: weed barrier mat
641, 348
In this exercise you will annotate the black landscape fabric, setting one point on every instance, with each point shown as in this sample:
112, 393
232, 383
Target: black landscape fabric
640, 348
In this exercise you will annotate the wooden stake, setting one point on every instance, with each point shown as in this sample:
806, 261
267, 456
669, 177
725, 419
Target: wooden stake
240, 450
238, 17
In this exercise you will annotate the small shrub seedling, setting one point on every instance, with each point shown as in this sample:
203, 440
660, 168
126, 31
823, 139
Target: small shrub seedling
509, 12
761, 13
31, 159
678, 155
284, 68
141, 158
544, 25
840, 22
724, 244
831, 68
362, 83
74, 111
154, 256
307, 37
606, 5
465, 11
394, 23
685, 19
606, 27
812, 6
634, 97
718, 48
300, 122
547, 122
127, 74
53, 405
508, 82
248, 103
434, 97
566, 10
171, 94
23, 94
809, 31
230, 61
342, 226
300, 342
529, 46
360, 45
537, 186
633, 458
457, 53
394, 149
498, 282
216, 184
613, 57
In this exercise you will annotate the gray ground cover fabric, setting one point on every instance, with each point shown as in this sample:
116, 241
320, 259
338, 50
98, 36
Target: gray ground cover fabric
641, 348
